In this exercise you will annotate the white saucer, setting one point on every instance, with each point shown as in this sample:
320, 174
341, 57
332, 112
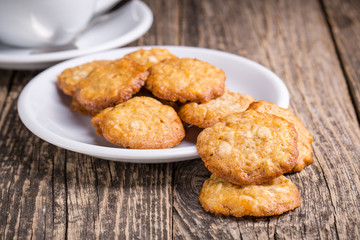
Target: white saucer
45, 110
127, 24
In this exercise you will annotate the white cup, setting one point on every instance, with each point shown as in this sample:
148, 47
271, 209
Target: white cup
37, 23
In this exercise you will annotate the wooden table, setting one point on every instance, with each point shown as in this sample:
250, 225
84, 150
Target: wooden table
47, 192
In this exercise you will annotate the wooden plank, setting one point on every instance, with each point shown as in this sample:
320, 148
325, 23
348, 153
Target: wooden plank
292, 39
305, 55
165, 27
5, 81
190, 220
27, 177
110, 200
147, 190
344, 20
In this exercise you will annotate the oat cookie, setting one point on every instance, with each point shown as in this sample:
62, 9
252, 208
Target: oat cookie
110, 84
146, 93
271, 198
304, 137
249, 147
150, 57
68, 79
205, 115
98, 120
140, 123
186, 79
76, 107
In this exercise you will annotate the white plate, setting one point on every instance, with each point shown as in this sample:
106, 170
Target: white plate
45, 110
125, 25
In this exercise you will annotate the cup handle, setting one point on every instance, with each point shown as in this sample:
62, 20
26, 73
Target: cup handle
102, 6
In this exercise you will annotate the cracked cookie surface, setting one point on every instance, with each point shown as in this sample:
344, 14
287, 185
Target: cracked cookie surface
68, 79
205, 115
110, 84
305, 139
140, 123
186, 79
249, 147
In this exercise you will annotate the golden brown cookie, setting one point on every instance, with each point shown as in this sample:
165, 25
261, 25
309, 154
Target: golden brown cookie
76, 107
304, 137
150, 57
146, 93
271, 198
68, 79
98, 119
110, 84
249, 147
140, 123
205, 115
185, 80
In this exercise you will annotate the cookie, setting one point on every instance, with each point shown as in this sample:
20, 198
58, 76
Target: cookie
140, 123
98, 119
271, 198
150, 57
76, 107
146, 93
304, 137
205, 115
249, 147
110, 84
68, 79
185, 80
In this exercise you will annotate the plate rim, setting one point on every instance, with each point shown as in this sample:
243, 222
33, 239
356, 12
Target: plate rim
113, 153
143, 26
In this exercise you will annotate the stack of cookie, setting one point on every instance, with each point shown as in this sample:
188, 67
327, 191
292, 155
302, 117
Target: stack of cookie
131, 100
248, 152
142, 100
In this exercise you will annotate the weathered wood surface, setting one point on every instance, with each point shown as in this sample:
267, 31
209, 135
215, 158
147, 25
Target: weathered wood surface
50, 193
344, 20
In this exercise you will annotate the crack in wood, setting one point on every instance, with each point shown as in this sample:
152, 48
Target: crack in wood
329, 191
66, 197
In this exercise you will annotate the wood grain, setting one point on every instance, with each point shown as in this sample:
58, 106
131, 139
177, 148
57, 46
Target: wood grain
190, 221
108, 200
5, 80
26, 209
344, 20
50, 193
